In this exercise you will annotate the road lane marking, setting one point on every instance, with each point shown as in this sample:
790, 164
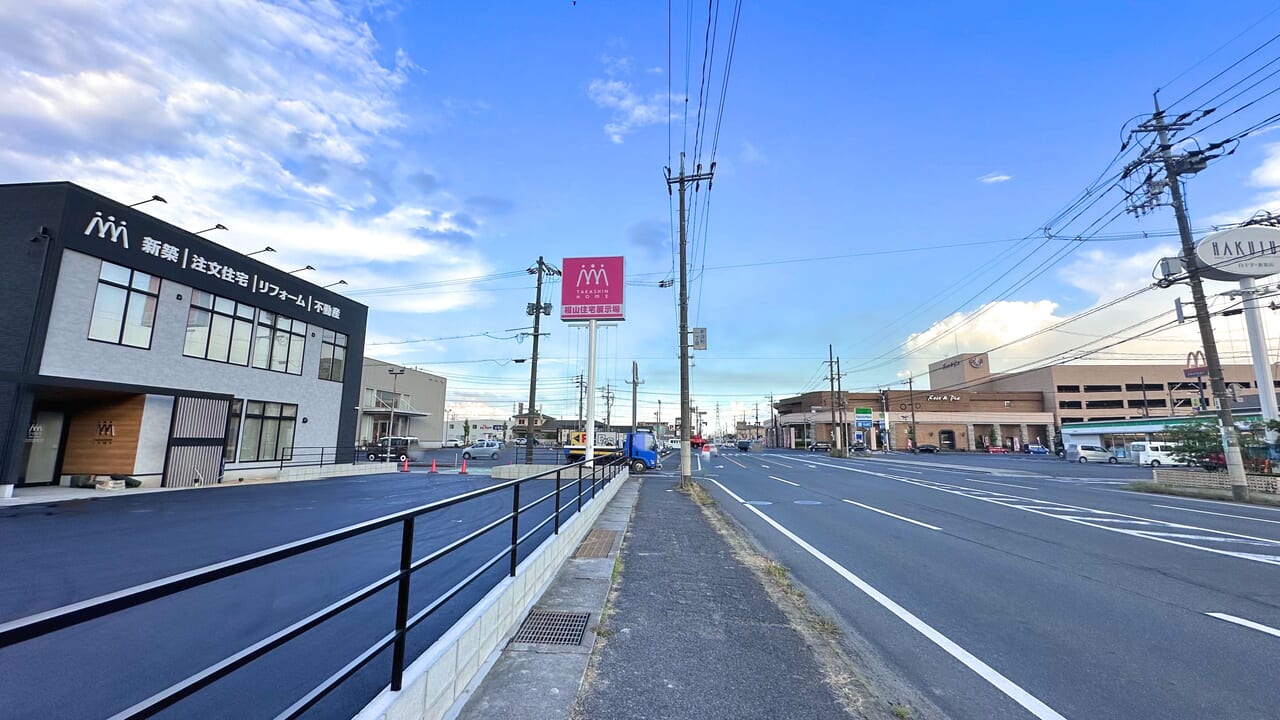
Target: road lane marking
766, 467
899, 517
1171, 498
1094, 518
988, 482
785, 481
780, 464
985, 671
1246, 623
1206, 512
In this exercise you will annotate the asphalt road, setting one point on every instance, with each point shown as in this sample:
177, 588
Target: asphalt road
54, 554
1020, 586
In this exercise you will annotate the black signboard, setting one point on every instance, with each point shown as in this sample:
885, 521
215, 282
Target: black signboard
97, 226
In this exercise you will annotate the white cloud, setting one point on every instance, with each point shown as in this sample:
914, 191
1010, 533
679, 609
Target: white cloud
631, 109
992, 178
750, 154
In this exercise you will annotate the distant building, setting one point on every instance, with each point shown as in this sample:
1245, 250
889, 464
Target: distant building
412, 399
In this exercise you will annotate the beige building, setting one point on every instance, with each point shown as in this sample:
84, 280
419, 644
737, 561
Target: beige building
400, 402
1085, 393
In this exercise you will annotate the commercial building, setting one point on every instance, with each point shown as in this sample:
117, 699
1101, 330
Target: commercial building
129, 346
1094, 393
400, 402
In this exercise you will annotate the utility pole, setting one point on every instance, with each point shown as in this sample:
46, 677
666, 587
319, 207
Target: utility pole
831, 375
395, 400
606, 392
537, 309
773, 424
1191, 163
635, 382
578, 381
844, 419
683, 181
911, 398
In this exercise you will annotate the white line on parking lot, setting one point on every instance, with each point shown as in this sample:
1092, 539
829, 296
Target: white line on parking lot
985, 671
898, 517
1246, 623
784, 481
1206, 512
988, 482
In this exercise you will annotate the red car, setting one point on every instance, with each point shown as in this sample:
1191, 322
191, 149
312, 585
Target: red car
998, 450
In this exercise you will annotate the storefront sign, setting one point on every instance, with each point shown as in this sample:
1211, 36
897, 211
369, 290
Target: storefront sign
1245, 252
592, 289
862, 417
944, 398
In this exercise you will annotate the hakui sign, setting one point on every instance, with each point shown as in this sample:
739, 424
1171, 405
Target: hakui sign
1245, 252
592, 289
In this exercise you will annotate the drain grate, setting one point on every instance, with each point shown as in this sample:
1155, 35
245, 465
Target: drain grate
552, 628
596, 544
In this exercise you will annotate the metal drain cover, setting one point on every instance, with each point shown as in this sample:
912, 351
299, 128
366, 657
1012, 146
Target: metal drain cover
597, 544
552, 628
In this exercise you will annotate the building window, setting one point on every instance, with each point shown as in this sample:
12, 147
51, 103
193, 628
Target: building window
124, 310
233, 430
333, 355
1100, 404
278, 342
268, 431
1150, 403
1139, 387
218, 329
1068, 388
1066, 420
1069, 405
1101, 388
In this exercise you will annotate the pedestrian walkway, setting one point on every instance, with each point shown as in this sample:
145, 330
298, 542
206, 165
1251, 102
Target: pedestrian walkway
689, 631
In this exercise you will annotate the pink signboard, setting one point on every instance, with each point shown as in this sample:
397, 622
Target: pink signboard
592, 289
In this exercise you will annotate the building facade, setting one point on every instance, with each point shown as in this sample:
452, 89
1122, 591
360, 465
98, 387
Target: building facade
129, 346
1094, 393
400, 402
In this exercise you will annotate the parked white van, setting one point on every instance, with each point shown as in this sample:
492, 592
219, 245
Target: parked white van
1089, 453
1154, 454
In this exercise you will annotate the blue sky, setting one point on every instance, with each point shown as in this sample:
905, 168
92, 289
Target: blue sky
393, 144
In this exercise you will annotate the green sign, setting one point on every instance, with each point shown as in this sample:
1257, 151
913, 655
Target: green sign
862, 417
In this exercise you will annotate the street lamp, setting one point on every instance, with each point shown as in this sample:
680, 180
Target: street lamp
294, 272
265, 249
153, 198
340, 282
219, 226
395, 400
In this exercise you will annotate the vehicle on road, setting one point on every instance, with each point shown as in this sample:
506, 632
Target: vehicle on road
1035, 449
673, 443
521, 442
927, 448
820, 447
452, 443
998, 450
482, 448
858, 447
744, 445
1090, 453
1154, 454
639, 448
396, 449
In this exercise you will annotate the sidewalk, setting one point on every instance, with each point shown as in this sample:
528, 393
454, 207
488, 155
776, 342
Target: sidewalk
689, 631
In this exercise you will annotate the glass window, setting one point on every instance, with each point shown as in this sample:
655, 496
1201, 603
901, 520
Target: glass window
219, 338
124, 307
296, 344
333, 355
233, 430
278, 343
268, 431
199, 298
262, 347
240, 336
214, 330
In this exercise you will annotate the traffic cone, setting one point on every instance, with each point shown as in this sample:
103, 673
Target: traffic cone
433, 464
463, 471
405, 466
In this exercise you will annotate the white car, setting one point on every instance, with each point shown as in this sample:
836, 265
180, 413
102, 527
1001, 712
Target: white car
452, 443
482, 448
1090, 453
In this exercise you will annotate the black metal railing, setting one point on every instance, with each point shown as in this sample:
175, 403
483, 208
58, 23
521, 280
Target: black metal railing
580, 481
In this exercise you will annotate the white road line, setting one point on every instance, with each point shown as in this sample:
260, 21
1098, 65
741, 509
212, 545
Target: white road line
785, 481
782, 464
988, 482
766, 467
1171, 498
898, 517
1245, 623
1206, 512
985, 671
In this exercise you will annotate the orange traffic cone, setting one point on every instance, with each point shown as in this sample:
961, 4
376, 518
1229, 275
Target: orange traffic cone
463, 471
433, 464
405, 467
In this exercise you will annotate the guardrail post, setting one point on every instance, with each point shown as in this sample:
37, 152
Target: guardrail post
515, 528
402, 605
579, 488
556, 509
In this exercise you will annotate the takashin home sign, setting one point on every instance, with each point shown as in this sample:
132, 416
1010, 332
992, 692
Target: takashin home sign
592, 289
1247, 252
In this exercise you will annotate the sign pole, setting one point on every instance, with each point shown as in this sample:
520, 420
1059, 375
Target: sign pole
1258, 349
591, 394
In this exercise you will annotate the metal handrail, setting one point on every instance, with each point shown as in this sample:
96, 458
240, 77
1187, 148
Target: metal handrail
67, 616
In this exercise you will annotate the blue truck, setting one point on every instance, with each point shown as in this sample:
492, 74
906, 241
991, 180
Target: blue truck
639, 448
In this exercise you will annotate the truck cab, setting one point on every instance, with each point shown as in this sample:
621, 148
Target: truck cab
639, 448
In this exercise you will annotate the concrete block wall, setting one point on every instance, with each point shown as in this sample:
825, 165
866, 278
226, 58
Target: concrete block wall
436, 684
1214, 480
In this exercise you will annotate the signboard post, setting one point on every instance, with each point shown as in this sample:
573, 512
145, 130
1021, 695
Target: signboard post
592, 289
